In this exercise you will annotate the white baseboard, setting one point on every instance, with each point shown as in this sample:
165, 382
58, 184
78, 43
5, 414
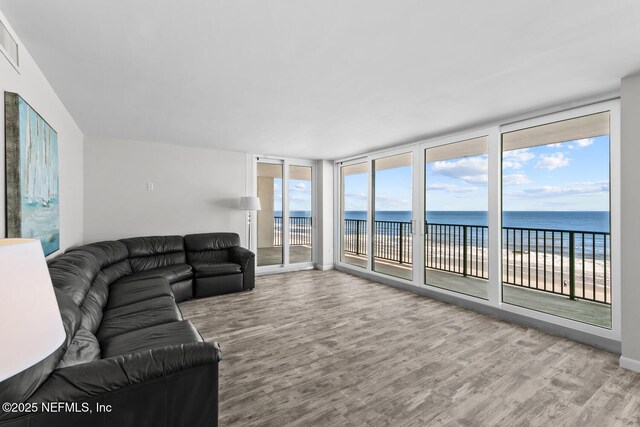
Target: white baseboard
631, 364
324, 267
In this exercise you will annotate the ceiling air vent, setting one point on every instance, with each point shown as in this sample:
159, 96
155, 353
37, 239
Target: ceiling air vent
9, 45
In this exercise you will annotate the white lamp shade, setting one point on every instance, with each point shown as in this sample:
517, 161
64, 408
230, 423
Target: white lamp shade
250, 203
30, 323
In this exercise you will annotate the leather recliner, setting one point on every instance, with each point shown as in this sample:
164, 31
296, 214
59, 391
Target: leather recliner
220, 264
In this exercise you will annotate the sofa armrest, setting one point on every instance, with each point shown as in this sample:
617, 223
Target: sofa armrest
246, 259
171, 386
111, 374
241, 256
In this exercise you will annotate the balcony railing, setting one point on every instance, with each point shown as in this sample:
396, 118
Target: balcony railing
299, 231
572, 263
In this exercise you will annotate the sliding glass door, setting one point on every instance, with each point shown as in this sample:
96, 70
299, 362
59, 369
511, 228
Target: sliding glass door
456, 239
300, 210
285, 221
556, 238
392, 230
516, 217
354, 199
270, 230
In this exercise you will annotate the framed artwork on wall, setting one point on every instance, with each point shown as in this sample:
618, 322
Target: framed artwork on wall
32, 185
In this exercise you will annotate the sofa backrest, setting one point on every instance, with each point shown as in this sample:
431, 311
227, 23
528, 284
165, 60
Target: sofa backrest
113, 263
73, 273
210, 247
146, 253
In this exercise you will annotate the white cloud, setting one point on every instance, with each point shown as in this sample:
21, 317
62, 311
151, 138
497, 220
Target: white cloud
393, 203
553, 161
355, 201
515, 159
300, 186
556, 145
472, 170
521, 155
450, 188
356, 196
515, 179
573, 189
584, 142
508, 164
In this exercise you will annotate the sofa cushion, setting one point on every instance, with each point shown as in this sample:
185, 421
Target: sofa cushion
210, 247
203, 269
172, 273
146, 253
174, 333
83, 349
143, 314
126, 293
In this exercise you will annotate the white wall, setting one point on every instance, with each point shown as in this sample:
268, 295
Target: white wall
195, 190
630, 221
34, 88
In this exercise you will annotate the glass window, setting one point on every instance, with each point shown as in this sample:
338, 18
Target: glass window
556, 245
300, 210
456, 205
392, 232
270, 230
354, 190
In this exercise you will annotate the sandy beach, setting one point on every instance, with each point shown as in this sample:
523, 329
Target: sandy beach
537, 270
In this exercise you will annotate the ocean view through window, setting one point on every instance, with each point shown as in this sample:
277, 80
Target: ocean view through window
517, 217
456, 255
392, 246
556, 224
354, 191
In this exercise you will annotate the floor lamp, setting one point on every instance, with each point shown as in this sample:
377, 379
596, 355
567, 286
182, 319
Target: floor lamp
249, 204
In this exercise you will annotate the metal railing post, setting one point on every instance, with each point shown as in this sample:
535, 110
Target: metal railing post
572, 266
401, 243
464, 251
358, 237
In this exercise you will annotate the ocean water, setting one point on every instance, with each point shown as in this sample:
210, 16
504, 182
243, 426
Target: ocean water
588, 221
597, 221
577, 220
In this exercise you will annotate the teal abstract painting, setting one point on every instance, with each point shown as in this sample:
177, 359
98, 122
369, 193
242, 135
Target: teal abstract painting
33, 195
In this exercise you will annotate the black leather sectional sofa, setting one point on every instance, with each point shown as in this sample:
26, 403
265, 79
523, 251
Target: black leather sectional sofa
129, 357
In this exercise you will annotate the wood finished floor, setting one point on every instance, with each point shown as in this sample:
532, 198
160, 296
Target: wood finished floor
328, 348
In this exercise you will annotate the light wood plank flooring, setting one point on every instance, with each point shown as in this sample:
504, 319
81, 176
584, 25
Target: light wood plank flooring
328, 348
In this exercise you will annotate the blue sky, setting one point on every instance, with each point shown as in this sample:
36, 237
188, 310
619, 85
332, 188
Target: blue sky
299, 195
567, 176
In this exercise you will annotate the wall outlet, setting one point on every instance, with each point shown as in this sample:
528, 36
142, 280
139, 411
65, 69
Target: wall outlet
149, 186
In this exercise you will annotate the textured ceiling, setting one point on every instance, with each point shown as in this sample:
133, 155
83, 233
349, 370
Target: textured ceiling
320, 79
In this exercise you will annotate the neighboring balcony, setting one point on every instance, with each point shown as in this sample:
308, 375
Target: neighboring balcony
299, 242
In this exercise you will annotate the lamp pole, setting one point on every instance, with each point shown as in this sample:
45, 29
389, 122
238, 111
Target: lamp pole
249, 223
249, 204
